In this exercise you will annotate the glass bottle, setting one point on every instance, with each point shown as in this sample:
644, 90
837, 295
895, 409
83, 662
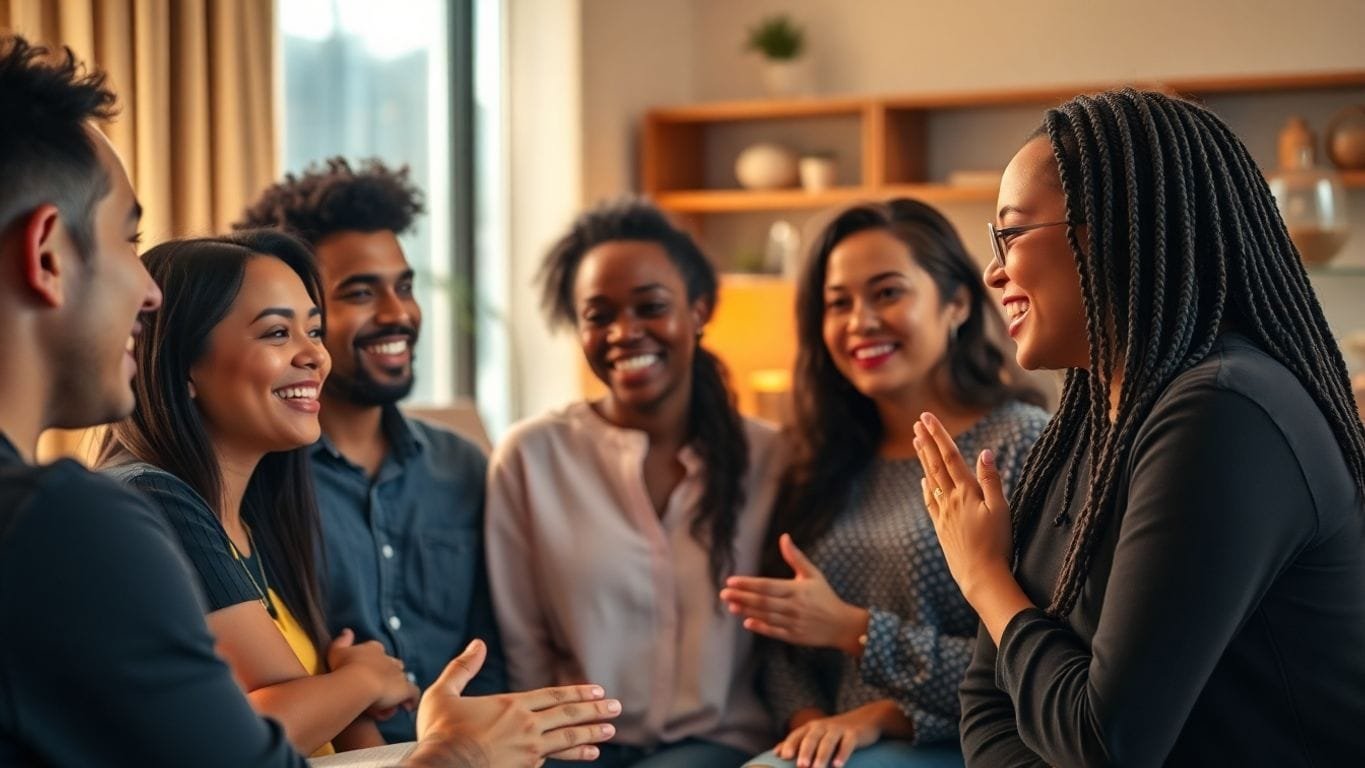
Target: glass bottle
1312, 202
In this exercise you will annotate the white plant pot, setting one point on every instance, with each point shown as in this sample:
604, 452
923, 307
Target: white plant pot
786, 77
818, 173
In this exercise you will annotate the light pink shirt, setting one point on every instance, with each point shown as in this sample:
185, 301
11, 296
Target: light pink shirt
591, 584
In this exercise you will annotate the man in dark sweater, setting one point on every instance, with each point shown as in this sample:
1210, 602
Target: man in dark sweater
105, 658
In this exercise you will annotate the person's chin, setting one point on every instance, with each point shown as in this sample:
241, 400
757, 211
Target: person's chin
641, 398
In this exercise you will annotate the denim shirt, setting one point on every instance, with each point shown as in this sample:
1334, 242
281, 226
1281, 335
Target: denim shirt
405, 555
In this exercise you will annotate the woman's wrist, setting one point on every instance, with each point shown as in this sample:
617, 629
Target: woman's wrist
997, 598
853, 637
362, 679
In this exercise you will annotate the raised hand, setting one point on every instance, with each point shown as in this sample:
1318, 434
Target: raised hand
803, 610
972, 520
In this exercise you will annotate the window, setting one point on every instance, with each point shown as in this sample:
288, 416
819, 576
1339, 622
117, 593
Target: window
368, 79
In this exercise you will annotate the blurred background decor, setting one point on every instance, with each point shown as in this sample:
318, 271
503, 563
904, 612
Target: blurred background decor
781, 42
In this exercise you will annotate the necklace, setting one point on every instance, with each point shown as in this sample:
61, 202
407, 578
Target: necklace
260, 564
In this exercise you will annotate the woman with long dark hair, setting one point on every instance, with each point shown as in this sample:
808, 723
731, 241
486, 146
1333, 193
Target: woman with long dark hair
611, 523
869, 634
228, 374
1179, 576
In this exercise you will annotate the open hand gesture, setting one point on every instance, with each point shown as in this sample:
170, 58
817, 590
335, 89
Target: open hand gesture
803, 610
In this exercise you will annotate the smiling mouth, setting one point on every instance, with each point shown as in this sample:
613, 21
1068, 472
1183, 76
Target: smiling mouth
874, 351
635, 363
387, 348
305, 392
1017, 309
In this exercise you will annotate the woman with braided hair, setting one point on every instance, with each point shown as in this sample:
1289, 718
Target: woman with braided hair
1179, 574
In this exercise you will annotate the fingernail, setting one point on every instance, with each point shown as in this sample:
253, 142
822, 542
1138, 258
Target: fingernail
614, 706
607, 730
597, 692
987, 457
916, 443
590, 752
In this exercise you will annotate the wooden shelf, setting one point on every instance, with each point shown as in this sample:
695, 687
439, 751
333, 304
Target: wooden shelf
747, 200
893, 137
1353, 179
697, 201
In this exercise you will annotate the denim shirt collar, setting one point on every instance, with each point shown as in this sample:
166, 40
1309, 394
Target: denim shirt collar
406, 443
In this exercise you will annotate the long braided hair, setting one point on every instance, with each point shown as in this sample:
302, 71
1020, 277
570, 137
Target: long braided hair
1182, 242
715, 428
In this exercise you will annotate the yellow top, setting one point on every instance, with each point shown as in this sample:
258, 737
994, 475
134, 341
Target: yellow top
302, 648
294, 635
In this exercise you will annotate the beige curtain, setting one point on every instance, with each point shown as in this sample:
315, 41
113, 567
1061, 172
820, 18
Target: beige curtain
196, 128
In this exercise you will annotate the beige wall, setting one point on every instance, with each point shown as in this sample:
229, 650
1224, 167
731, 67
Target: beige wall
624, 56
923, 45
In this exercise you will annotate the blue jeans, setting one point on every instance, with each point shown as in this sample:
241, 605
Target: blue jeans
689, 753
883, 754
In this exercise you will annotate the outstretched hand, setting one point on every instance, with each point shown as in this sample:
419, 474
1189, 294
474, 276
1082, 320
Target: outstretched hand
512, 729
803, 610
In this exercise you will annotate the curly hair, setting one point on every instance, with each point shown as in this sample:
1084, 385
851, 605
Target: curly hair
46, 153
337, 198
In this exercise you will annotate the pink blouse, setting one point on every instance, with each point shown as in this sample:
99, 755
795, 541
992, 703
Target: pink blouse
591, 584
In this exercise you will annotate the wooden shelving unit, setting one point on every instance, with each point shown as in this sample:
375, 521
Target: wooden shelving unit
894, 141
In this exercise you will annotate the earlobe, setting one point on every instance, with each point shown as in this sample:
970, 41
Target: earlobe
40, 254
701, 314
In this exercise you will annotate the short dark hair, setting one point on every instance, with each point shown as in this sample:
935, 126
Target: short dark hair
200, 279
46, 155
337, 198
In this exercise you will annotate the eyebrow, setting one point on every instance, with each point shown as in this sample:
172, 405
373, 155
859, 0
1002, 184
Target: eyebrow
1006, 210
371, 278
637, 289
877, 278
284, 312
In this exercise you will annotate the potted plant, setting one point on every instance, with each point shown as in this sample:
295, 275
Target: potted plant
781, 42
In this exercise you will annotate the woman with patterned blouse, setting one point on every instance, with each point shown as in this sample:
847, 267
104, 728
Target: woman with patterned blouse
872, 634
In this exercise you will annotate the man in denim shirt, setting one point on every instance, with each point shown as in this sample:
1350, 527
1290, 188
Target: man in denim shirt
401, 501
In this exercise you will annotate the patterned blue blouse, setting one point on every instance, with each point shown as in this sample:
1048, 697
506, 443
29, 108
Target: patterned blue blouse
882, 554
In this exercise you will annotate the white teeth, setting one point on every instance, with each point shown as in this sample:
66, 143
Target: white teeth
635, 363
297, 393
389, 348
1016, 309
873, 351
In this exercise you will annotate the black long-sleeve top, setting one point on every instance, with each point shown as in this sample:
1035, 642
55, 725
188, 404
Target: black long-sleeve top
1223, 618
105, 658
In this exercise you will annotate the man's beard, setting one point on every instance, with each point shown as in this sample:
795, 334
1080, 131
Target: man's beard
362, 389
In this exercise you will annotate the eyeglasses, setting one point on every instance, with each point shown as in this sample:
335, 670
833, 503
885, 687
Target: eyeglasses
998, 246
